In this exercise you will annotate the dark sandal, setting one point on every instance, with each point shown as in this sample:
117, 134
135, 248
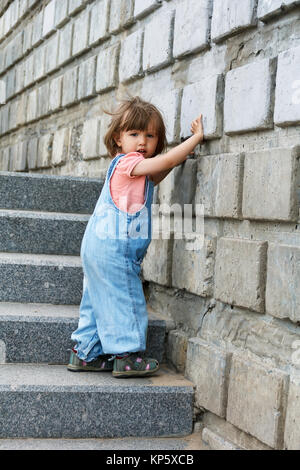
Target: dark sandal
100, 364
134, 365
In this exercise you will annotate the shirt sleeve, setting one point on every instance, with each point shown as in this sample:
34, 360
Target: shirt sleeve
128, 162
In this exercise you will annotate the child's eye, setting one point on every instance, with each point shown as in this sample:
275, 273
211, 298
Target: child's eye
134, 134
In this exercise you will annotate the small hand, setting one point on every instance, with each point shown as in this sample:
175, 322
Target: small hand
197, 126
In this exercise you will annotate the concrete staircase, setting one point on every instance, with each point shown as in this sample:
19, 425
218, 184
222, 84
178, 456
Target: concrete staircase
42, 221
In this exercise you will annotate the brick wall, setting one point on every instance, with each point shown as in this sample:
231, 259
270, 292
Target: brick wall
235, 303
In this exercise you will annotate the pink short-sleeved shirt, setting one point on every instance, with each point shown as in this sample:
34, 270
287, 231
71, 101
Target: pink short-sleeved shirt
127, 191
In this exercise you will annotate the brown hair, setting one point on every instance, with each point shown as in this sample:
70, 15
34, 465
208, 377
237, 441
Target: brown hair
134, 113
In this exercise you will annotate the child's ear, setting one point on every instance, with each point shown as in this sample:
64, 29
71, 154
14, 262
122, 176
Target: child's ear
117, 140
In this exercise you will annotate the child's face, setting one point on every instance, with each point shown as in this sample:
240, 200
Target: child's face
136, 140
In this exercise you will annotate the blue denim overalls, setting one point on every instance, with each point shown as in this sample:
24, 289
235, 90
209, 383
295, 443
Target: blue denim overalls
113, 314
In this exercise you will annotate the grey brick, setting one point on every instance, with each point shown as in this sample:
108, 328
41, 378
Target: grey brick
52, 54
32, 152
131, 56
158, 42
65, 44
81, 33
252, 83
287, 95
203, 97
86, 78
192, 27
144, 7
107, 68
232, 16
121, 14
37, 29
55, 93
70, 85
49, 18
99, 21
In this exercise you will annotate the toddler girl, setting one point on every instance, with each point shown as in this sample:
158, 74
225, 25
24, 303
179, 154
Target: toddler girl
113, 322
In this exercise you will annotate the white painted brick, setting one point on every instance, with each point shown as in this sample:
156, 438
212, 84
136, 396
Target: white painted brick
39, 63
75, 6
283, 282
86, 78
144, 7
5, 159
28, 74
99, 21
7, 22
253, 84
23, 5
90, 139
61, 13
232, 16
10, 83
81, 33
21, 111
44, 151
13, 114
18, 156
192, 26
52, 53
131, 56
60, 146
27, 37
43, 100
32, 153
287, 94
4, 118
49, 17
203, 97
32, 106
256, 399
158, 41
70, 84
107, 68
207, 366
37, 29
55, 93
121, 14
65, 44
14, 6
240, 273
265, 171
268, 8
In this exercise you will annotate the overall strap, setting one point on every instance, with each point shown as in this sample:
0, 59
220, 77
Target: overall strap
113, 165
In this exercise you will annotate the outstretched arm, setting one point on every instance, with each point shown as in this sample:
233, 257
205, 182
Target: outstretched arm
166, 162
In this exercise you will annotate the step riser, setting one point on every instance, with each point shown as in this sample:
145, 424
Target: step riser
52, 194
48, 341
24, 235
41, 284
42, 413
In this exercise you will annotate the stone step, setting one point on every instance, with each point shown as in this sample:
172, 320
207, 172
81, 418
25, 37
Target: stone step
188, 443
40, 333
44, 401
41, 232
54, 279
31, 191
